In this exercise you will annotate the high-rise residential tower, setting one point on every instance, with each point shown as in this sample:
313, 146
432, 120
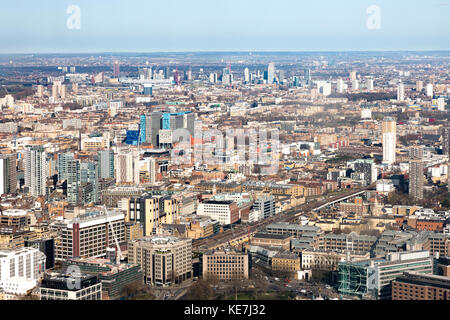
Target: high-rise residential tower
389, 135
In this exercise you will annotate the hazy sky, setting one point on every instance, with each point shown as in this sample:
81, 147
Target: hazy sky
222, 25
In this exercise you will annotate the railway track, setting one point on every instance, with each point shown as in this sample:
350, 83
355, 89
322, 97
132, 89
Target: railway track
287, 216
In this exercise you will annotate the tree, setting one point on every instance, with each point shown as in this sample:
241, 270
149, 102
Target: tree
200, 290
137, 291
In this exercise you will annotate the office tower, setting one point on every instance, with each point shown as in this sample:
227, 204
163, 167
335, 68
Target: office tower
35, 171
75, 88
352, 76
355, 85
89, 234
167, 73
40, 91
401, 92
369, 84
307, 76
73, 69
151, 128
188, 76
419, 86
164, 260
148, 73
142, 129
389, 134
106, 164
416, 179
270, 73
340, 86
282, 77
227, 77
430, 90
213, 77
116, 69
8, 173
246, 75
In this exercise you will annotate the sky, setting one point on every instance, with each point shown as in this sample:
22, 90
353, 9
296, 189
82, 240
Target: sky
30, 26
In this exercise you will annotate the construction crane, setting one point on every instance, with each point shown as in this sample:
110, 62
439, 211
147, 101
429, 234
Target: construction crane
121, 257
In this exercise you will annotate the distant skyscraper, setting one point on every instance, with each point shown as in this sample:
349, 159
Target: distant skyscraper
73, 181
271, 73
419, 86
126, 164
8, 173
61, 165
213, 77
430, 90
416, 179
116, 69
352, 76
40, 91
445, 132
416, 153
63, 92
401, 92
167, 73
355, 85
307, 76
389, 133
369, 84
227, 76
246, 75
340, 86
35, 171
106, 164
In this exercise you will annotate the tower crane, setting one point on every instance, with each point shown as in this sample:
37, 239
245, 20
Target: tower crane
121, 257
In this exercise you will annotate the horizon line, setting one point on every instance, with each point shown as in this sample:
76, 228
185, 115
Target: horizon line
224, 51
